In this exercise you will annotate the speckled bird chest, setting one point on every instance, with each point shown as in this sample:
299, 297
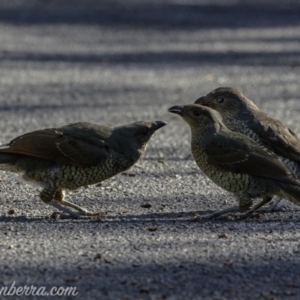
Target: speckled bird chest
73, 177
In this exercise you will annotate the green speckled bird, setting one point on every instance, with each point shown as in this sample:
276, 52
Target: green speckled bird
235, 162
75, 155
240, 114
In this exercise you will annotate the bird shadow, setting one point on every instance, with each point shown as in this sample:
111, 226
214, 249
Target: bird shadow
162, 218
195, 216
22, 219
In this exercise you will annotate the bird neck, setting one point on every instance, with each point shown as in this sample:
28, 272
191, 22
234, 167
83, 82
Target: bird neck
201, 138
245, 114
133, 153
250, 108
250, 114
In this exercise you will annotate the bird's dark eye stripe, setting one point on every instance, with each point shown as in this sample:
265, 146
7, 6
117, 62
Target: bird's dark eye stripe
197, 113
220, 99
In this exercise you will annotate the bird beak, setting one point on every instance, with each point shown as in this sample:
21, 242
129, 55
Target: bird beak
201, 101
177, 109
160, 124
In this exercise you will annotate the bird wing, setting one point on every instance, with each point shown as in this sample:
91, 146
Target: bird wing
60, 147
83, 153
275, 135
239, 154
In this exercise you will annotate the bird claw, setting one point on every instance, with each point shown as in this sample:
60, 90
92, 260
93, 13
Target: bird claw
65, 212
233, 215
273, 208
221, 213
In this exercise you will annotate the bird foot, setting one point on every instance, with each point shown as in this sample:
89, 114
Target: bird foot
232, 214
273, 208
62, 209
67, 211
224, 212
249, 214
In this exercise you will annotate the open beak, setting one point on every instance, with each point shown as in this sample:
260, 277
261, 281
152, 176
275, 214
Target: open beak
177, 109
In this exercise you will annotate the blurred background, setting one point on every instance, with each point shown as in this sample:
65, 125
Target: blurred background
62, 61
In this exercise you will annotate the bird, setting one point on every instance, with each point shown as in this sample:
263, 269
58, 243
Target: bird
242, 115
236, 162
75, 155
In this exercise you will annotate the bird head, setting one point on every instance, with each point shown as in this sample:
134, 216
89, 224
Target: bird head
199, 118
142, 131
136, 135
229, 102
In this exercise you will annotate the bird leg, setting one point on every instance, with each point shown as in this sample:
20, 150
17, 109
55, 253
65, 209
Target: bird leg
49, 193
273, 206
244, 204
59, 197
64, 209
244, 215
222, 212
265, 200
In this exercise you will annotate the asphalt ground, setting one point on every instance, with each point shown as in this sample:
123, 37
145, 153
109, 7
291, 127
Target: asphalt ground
115, 62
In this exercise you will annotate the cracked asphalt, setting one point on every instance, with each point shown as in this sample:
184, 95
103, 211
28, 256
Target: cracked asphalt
115, 62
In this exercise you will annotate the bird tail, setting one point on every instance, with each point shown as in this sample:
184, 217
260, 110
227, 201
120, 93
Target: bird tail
291, 192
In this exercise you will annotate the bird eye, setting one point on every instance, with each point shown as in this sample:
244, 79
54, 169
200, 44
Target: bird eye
220, 99
197, 112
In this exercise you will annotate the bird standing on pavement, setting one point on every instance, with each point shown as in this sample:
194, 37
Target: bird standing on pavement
242, 115
235, 162
75, 155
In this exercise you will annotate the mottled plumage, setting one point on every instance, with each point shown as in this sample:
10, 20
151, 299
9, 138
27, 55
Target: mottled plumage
235, 162
242, 115
75, 155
